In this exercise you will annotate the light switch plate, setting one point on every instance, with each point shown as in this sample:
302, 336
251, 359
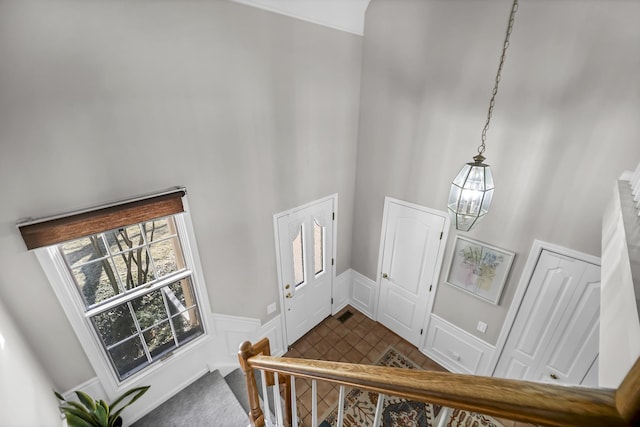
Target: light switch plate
482, 327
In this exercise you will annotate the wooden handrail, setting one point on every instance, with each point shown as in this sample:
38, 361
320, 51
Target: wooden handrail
247, 351
537, 403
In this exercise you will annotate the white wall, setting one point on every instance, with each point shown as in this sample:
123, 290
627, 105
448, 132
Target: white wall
565, 123
26, 396
253, 112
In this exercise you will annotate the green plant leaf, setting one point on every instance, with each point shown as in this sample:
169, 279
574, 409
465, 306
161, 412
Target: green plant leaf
59, 396
80, 413
74, 421
86, 400
101, 415
105, 405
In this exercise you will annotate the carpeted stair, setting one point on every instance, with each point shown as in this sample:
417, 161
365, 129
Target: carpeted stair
238, 386
209, 401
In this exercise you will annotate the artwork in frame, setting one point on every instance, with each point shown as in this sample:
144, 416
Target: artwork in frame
479, 269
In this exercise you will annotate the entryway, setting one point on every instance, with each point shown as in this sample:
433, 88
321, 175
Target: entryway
305, 247
411, 253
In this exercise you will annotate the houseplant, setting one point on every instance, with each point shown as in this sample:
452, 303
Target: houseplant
97, 413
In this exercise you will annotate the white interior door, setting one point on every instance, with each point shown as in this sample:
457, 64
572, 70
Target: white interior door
554, 337
411, 257
305, 244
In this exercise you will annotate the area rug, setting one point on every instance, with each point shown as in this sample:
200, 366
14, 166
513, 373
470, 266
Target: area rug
360, 406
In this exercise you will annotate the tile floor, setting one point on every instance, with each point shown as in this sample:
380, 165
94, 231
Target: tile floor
357, 340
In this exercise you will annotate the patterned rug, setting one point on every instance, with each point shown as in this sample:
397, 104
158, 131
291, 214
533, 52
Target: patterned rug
360, 406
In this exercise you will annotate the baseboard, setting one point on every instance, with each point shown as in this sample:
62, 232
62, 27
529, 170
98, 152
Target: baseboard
456, 349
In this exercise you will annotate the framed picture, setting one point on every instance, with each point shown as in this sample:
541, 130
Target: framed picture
479, 269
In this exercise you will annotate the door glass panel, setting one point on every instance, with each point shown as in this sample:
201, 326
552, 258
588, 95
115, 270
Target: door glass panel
298, 257
318, 248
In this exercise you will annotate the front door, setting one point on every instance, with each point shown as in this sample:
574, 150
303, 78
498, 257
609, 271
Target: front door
554, 337
411, 256
305, 245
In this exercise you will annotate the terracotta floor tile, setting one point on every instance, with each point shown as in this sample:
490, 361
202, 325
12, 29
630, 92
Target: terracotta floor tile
354, 356
357, 340
343, 346
323, 347
333, 354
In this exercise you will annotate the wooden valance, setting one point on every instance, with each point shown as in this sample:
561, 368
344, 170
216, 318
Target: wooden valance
60, 228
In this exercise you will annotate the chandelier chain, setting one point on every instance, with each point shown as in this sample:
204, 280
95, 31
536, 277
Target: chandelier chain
492, 102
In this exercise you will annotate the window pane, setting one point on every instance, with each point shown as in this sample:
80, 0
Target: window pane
187, 325
128, 357
298, 258
96, 281
124, 238
149, 309
114, 325
179, 296
318, 247
83, 250
159, 229
134, 268
159, 339
167, 256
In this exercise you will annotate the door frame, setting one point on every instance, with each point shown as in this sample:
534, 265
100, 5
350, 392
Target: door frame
439, 260
333, 197
527, 273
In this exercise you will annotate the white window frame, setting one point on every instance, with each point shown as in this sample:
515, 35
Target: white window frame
63, 284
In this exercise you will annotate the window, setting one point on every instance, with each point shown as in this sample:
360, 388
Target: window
318, 247
297, 250
133, 288
136, 291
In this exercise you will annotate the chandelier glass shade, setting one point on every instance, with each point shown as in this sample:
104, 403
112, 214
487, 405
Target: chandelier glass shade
472, 189
471, 194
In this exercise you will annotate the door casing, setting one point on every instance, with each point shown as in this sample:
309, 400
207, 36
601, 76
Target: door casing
527, 273
332, 251
439, 260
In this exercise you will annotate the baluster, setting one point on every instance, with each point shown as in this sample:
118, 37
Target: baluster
445, 413
276, 400
265, 397
256, 416
314, 403
294, 403
341, 407
376, 421
287, 400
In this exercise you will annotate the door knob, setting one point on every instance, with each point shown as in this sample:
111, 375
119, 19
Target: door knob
553, 376
288, 295
287, 286
385, 276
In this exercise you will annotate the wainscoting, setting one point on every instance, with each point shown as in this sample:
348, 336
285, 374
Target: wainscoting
450, 346
456, 349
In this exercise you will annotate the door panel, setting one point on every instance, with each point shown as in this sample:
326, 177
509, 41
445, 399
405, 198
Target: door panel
554, 335
410, 263
305, 243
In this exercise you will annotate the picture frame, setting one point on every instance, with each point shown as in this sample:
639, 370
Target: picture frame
479, 269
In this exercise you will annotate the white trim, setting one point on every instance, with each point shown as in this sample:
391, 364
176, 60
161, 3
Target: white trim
231, 331
341, 15
276, 217
364, 295
536, 249
463, 353
341, 291
439, 261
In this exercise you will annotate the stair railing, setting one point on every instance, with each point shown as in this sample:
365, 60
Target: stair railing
538, 403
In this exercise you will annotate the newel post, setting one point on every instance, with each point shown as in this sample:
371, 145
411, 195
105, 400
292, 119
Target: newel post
256, 416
